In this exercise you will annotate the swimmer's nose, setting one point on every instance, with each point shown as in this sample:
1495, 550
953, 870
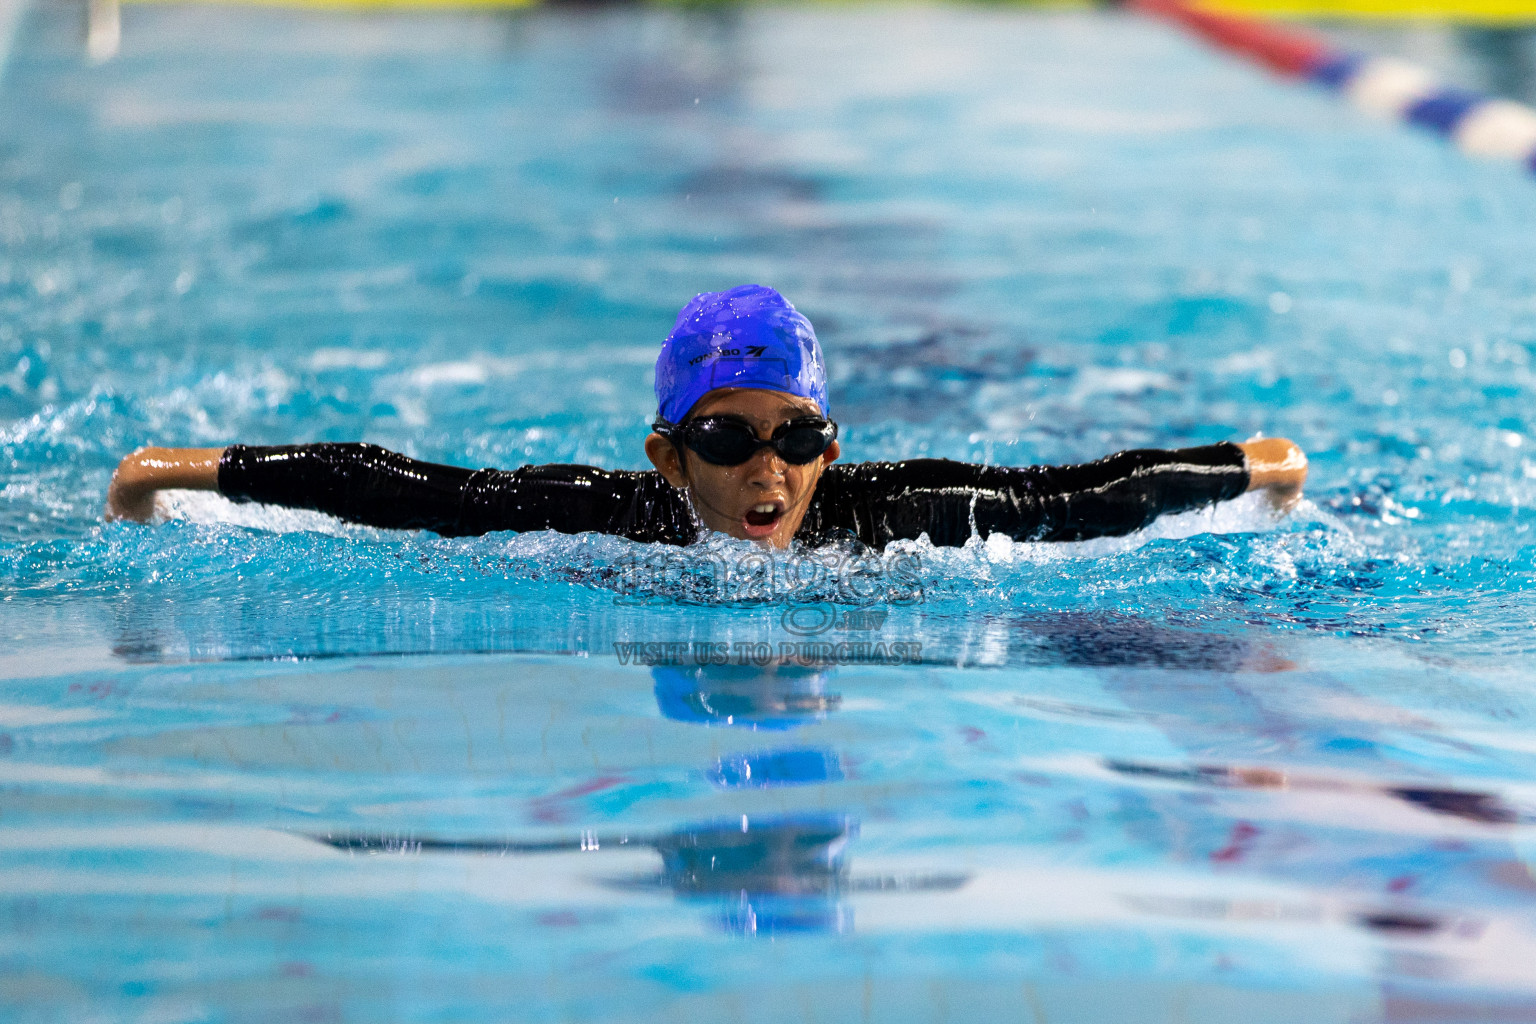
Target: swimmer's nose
765, 468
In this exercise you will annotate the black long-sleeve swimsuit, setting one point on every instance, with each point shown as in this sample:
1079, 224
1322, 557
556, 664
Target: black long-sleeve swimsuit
876, 502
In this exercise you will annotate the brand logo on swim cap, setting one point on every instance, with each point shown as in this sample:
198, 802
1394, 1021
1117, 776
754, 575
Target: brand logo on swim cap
721, 353
747, 337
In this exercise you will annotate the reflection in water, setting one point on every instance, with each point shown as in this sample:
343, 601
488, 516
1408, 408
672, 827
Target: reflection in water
1484, 808
1400, 923
1106, 639
776, 697
778, 874
438, 612
763, 769
782, 857
1409, 906
764, 875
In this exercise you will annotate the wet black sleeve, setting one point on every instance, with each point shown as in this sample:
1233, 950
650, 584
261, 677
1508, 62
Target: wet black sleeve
949, 501
363, 483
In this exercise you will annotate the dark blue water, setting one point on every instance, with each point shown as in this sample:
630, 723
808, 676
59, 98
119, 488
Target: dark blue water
259, 765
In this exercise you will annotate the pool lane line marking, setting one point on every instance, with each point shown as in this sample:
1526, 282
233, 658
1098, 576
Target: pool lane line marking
1476, 123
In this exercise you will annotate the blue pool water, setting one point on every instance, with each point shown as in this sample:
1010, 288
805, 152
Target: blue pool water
258, 765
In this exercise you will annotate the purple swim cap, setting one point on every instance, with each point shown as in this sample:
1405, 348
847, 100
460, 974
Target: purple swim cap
748, 337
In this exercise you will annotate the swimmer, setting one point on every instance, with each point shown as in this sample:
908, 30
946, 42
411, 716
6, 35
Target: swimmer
743, 445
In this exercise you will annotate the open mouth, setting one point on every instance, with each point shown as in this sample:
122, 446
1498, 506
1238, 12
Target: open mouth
760, 520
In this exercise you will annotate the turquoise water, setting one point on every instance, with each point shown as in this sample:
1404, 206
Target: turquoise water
258, 765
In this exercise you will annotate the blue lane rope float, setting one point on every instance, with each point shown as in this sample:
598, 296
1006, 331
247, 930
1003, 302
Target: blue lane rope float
1478, 124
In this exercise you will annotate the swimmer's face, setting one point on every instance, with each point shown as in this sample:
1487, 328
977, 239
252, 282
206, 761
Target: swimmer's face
763, 499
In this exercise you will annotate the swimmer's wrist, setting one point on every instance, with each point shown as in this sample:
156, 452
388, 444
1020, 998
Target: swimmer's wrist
1276, 465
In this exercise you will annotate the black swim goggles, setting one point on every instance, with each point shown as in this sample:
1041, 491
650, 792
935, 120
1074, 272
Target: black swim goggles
727, 441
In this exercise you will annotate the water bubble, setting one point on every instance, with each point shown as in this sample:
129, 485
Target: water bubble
1458, 359
1280, 303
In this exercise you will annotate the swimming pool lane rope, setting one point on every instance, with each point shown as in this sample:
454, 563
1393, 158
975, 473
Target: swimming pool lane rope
1478, 124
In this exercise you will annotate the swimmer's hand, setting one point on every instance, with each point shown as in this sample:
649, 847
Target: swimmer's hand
1279, 467
131, 495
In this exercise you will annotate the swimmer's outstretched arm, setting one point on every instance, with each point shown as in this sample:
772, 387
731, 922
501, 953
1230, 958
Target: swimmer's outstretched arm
360, 483
363, 483
131, 495
1119, 494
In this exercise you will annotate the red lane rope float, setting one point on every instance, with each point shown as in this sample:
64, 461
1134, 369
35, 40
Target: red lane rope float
1282, 50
